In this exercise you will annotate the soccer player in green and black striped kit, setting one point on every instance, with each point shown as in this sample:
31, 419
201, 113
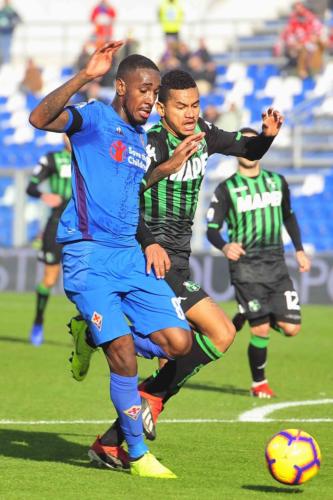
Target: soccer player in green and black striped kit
255, 204
168, 209
55, 167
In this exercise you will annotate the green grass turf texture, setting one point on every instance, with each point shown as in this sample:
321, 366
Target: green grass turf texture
212, 460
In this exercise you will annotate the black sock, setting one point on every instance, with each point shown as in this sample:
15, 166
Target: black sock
257, 353
113, 436
175, 373
43, 294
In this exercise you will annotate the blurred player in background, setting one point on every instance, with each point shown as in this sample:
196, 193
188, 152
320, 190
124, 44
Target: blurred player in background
168, 209
54, 167
255, 204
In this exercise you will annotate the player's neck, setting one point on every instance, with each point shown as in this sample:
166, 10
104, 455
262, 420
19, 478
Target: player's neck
249, 172
120, 110
170, 130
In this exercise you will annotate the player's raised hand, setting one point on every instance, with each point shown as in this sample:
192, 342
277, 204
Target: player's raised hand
233, 251
182, 153
185, 150
158, 259
271, 122
304, 262
101, 60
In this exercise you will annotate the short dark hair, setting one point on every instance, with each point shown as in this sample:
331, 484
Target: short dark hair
175, 80
133, 62
249, 130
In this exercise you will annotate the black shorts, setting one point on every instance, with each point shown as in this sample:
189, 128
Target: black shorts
188, 292
259, 301
51, 250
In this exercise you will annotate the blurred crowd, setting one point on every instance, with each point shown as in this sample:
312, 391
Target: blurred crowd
304, 41
305, 38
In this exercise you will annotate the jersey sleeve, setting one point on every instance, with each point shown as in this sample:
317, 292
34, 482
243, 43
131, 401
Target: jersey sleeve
289, 217
82, 117
216, 214
44, 169
143, 234
234, 143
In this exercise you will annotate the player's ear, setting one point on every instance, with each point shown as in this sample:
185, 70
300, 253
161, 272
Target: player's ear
160, 108
120, 87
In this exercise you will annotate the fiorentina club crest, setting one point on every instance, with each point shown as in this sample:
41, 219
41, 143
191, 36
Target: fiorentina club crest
133, 412
97, 319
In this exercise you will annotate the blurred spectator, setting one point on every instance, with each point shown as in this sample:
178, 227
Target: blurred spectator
130, 46
229, 120
171, 17
203, 74
169, 59
9, 19
203, 52
212, 114
32, 82
302, 41
183, 54
85, 54
103, 16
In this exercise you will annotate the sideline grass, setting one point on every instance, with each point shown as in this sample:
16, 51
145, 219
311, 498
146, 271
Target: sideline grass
212, 461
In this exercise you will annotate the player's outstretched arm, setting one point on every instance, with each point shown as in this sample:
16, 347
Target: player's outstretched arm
180, 155
271, 122
50, 113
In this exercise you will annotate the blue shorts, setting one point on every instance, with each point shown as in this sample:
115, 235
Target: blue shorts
106, 283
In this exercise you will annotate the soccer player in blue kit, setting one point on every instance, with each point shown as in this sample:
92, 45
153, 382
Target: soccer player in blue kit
103, 265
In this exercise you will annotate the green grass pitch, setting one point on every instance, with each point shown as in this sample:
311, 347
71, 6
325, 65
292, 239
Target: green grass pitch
44, 454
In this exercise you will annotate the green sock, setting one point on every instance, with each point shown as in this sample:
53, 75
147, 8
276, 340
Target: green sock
43, 294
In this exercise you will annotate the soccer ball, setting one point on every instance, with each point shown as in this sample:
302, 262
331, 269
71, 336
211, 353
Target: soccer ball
293, 456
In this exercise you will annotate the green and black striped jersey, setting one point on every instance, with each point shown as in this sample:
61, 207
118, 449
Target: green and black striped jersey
169, 206
56, 168
254, 209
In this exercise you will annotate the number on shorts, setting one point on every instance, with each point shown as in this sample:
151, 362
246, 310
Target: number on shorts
176, 302
292, 300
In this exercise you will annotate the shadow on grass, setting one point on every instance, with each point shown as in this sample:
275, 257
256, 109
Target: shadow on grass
270, 489
227, 389
42, 447
20, 340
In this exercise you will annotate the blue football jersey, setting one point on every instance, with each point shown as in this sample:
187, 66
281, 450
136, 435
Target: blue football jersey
108, 164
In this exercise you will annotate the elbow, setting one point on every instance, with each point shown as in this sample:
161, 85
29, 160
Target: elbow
35, 120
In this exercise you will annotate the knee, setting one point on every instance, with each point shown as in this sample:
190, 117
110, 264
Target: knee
180, 343
261, 330
290, 330
120, 355
226, 337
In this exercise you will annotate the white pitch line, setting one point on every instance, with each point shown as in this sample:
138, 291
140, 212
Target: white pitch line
170, 421
259, 414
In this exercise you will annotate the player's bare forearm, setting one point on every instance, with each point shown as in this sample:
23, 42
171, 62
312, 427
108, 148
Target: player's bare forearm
158, 174
47, 114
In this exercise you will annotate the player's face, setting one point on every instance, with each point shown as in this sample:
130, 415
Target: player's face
180, 112
141, 90
244, 162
